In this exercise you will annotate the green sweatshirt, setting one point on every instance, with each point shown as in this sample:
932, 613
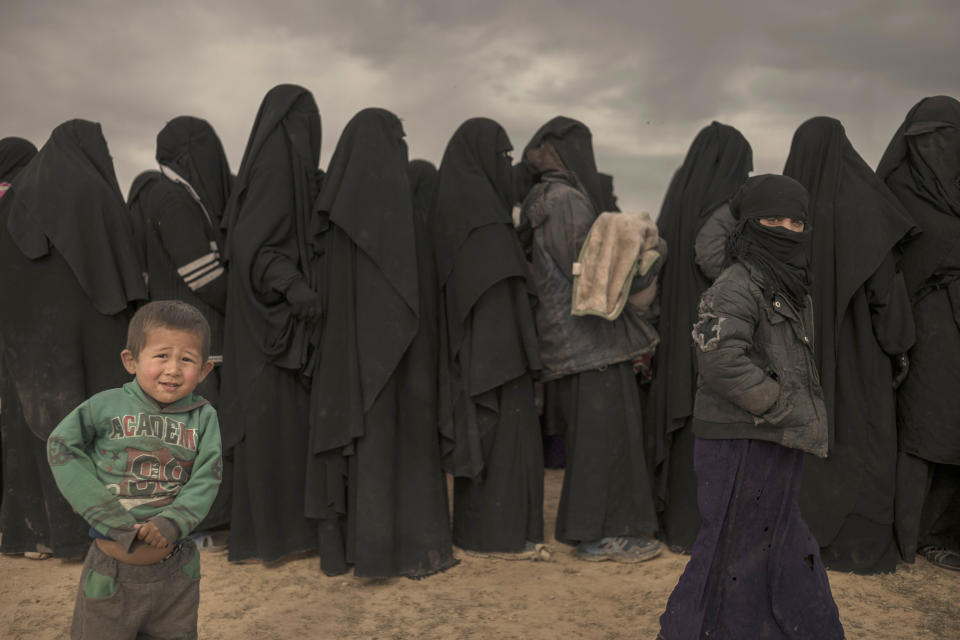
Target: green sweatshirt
120, 459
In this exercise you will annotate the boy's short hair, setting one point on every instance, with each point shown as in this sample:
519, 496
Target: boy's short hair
170, 314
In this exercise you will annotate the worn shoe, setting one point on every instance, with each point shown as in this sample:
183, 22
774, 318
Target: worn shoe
533, 551
210, 540
943, 558
619, 549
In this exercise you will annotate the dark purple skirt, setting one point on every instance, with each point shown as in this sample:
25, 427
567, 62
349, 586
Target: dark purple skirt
755, 569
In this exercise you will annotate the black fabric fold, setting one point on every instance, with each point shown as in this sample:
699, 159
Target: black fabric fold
68, 197
923, 174
372, 259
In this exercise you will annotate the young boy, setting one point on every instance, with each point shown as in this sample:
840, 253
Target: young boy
142, 465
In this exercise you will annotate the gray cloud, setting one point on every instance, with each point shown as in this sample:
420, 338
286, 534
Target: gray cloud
644, 78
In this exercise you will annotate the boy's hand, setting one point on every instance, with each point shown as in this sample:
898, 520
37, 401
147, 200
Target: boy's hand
150, 533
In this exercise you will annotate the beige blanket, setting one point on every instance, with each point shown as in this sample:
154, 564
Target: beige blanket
619, 246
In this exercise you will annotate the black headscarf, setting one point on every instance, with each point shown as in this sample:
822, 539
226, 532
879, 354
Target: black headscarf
478, 249
717, 163
192, 149
574, 144
922, 168
782, 256
372, 294
68, 197
423, 185
609, 196
15, 153
282, 154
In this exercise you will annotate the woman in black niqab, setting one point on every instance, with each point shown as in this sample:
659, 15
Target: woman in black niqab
488, 347
717, 163
862, 320
69, 266
190, 147
922, 168
374, 475
272, 310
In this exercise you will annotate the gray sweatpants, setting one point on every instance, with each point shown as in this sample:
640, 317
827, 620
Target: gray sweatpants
123, 601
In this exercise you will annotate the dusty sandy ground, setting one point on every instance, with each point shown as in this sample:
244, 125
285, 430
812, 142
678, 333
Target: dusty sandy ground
479, 598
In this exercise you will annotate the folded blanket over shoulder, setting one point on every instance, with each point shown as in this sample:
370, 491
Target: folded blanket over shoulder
619, 248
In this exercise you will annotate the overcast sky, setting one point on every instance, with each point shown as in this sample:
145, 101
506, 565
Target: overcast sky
644, 76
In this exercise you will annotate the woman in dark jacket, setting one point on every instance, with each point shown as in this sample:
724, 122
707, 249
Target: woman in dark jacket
606, 508
755, 569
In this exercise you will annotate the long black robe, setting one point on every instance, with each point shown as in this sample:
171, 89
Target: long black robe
15, 153
716, 165
374, 476
488, 346
264, 400
68, 274
862, 318
922, 168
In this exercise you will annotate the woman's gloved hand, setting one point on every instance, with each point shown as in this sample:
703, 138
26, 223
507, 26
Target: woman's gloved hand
305, 302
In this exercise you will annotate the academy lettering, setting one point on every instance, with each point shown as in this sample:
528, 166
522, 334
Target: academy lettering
145, 425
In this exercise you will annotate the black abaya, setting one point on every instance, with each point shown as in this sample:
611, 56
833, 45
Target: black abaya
69, 273
922, 168
267, 338
488, 347
862, 319
374, 476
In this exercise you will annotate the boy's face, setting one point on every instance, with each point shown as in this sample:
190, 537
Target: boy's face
170, 364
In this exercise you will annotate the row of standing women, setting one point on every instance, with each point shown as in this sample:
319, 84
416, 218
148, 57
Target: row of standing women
884, 286
372, 335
